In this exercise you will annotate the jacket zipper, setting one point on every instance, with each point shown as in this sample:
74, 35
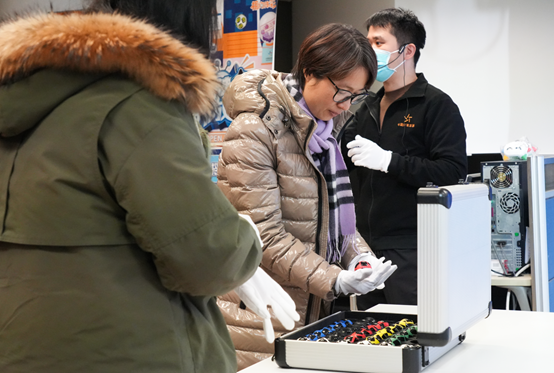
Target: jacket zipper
343, 129
377, 123
379, 130
311, 297
318, 229
319, 203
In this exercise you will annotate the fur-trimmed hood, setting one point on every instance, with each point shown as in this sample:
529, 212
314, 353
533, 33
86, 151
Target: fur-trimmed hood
108, 43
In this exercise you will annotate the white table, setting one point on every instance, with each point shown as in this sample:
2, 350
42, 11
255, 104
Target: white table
517, 285
507, 342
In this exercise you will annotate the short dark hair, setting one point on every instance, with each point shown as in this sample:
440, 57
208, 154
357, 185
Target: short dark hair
335, 50
191, 21
404, 25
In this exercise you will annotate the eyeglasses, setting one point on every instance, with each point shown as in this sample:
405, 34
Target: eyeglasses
342, 95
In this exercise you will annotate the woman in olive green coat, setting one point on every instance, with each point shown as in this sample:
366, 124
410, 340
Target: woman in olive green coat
114, 240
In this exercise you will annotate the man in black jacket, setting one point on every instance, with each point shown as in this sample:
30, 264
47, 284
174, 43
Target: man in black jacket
403, 137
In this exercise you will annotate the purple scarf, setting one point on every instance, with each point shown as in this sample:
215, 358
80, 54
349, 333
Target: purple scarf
328, 159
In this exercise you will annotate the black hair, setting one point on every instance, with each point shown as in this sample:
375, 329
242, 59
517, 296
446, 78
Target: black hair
404, 26
191, 21
335, 50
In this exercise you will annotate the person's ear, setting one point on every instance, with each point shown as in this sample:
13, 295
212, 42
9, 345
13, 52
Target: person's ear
409, 51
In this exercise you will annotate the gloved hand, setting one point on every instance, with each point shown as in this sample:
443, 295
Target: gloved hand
261, 291
366, 153
251, 222
354, 282
381, 270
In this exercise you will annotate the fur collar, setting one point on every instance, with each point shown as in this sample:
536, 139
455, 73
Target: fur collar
109, 43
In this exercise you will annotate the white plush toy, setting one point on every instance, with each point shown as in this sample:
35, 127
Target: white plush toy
518, 150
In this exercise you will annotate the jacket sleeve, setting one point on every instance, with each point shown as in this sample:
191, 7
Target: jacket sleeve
359, 246
446, 160
160, 175
247, 176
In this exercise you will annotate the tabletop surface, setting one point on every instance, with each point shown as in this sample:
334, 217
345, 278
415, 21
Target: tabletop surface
523, 280
506, 341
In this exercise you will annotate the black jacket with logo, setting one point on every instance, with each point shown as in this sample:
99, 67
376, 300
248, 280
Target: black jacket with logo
425, 132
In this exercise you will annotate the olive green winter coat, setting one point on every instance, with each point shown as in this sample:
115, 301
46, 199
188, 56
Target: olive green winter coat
114, 240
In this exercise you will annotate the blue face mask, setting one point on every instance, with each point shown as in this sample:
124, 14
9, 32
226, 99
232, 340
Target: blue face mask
384, 72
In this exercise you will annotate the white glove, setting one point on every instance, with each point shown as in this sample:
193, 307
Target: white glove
251, 222
366, 153
354, 282
261, 291
381, 270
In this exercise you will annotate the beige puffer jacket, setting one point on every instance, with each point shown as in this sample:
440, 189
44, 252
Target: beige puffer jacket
266, 171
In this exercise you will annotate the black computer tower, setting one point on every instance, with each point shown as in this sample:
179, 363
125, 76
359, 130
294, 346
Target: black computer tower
509, 212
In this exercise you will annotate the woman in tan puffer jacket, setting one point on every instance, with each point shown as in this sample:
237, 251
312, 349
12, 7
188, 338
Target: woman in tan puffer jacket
279, 164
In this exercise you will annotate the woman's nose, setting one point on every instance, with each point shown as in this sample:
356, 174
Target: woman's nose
344, 105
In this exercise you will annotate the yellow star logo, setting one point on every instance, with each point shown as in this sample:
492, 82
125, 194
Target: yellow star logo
407, 118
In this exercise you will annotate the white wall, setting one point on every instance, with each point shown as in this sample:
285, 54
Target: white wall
307, 15
493, 58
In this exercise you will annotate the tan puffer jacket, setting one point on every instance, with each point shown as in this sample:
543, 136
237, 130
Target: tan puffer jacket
266, 171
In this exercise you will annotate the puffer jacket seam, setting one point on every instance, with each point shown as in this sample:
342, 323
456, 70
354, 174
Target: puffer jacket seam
308, 279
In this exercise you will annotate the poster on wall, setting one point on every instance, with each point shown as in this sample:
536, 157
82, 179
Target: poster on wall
246, 41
